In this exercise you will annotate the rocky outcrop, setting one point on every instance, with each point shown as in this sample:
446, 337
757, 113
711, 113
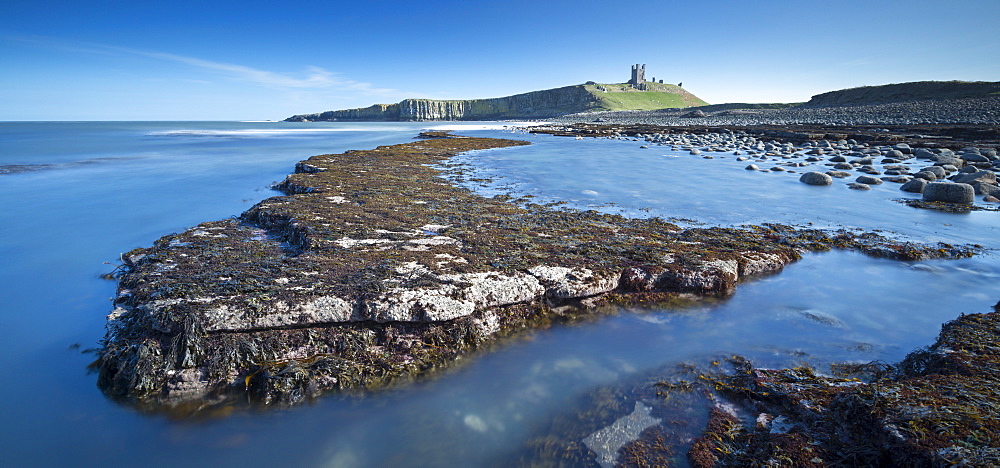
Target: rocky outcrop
373, 270
938, 407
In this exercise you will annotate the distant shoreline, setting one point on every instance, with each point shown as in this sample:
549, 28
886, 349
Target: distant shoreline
966, 111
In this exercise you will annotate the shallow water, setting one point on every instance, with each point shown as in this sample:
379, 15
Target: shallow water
595, 172
112, 187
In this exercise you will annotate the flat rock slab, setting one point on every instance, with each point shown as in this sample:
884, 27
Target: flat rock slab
606, 442
373, 269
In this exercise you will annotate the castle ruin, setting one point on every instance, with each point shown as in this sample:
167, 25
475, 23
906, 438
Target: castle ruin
638, 80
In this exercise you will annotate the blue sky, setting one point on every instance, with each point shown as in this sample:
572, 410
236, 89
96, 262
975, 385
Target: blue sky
212, 60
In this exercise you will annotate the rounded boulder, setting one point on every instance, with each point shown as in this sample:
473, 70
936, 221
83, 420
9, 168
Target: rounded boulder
949, 192
986, 177
974, 157
816, 178
914, 186
938, 171
943, 160
868, 180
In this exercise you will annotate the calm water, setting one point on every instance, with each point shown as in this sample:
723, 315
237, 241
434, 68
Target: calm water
99, 189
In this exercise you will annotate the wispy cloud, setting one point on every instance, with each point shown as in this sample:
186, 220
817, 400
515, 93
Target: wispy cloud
311, 78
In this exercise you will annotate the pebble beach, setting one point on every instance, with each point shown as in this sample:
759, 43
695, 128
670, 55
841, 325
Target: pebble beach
976, 111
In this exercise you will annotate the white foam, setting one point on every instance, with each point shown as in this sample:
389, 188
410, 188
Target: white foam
458, 126
271, 132
265, 132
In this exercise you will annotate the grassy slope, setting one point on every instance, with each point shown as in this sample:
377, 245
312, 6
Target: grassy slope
660, 96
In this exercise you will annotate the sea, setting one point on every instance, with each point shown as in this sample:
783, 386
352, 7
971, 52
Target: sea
75, 195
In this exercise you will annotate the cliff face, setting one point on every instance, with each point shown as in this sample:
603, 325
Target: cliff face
378, 112
536, 104
900, 92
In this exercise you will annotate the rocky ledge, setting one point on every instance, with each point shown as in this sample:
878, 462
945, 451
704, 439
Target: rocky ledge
938, 407
373, 269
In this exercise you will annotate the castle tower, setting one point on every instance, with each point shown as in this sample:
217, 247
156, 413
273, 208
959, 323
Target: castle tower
638, 75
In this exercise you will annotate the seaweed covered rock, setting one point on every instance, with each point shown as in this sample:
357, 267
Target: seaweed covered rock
937, 407
374, 269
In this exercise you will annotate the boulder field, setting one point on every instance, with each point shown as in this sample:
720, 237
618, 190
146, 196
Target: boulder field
952, 173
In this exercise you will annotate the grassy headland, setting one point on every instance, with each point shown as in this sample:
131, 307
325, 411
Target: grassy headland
622, 96
534, 105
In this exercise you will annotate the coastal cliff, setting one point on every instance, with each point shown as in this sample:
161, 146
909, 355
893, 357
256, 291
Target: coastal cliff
534, 105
